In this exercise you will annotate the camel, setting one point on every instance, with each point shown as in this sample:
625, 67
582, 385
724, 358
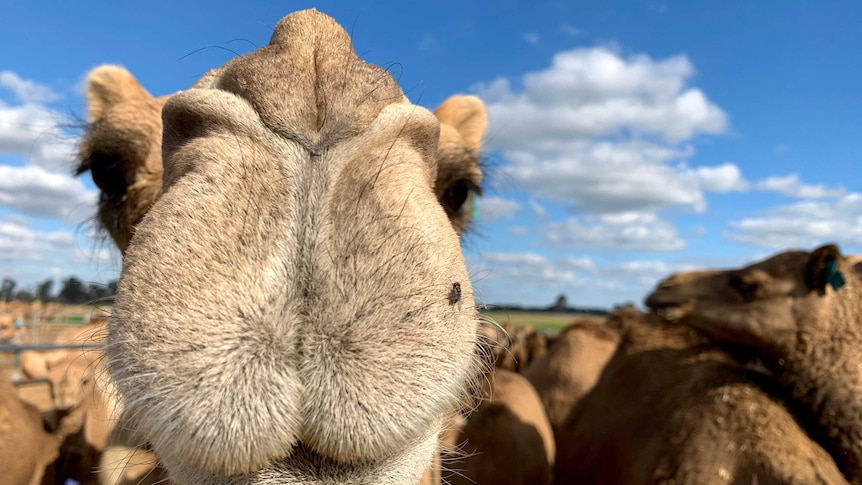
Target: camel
800, 312
513, 348
673, 407
26, 446
391, 205
506, 440
571, 367
122, 151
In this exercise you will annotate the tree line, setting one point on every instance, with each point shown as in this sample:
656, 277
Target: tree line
72, 291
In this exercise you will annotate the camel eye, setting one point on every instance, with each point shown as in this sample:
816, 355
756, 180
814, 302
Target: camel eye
456, 195
108, 174
746, 289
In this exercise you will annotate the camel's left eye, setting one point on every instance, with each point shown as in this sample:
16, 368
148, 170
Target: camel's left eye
746, 289
456, 195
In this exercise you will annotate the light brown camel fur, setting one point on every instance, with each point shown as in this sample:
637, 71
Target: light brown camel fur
672, 407
506, 440
122, 150
571, 367
408, 132
123, 119
802, 314
513, 348
26, 447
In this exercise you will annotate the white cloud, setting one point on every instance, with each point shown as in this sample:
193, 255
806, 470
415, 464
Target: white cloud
792, 186
19, 243
25, 90
721, 178
803, 224
595, 92
640, 231
602, 131
570, 30
38, 192
517, 231
538, 209
531, 38
496, 208
33, 132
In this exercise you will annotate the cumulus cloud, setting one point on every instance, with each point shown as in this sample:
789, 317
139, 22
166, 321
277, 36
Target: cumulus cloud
36, 191
721, 178
25, 90
641, 231
792, 186
606, 132
19, 243
804, 224
596, 92
496, 208
34, 132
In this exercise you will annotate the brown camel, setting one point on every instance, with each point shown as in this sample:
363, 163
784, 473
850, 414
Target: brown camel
25, 445
672, 407
571, 367
506, 440
800, 311
513, 348
341, 137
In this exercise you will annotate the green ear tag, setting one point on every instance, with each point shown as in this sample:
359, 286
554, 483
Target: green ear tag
833, 276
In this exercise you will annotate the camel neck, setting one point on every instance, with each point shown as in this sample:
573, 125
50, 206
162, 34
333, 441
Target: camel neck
824, 376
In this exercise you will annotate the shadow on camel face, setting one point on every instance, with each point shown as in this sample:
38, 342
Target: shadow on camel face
285, 312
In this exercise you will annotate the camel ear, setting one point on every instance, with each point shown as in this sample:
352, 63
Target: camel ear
109, 85
822, 269
467, 115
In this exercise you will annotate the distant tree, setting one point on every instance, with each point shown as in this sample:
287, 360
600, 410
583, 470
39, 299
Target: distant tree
24, 295
98, 291
73, 292
561, 304
7, 289
43, 290
112, 286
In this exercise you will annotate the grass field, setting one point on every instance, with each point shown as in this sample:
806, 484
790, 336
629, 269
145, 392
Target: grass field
549, 322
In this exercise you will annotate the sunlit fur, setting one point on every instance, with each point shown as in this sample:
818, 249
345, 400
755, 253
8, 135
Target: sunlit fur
307, 263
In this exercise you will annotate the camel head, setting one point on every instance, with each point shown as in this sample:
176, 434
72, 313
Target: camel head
285, 312
769, 304
122, 150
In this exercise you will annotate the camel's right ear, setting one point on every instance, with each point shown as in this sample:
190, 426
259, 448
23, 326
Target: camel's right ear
822, 269
109, 85
467, 115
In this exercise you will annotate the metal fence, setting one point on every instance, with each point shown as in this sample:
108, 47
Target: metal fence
32, 329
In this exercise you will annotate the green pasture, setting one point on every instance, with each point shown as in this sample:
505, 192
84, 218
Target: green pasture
549, 322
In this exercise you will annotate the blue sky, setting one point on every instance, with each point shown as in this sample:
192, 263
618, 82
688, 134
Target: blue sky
627, 140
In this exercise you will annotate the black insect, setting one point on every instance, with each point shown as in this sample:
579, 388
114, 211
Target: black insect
455, 293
